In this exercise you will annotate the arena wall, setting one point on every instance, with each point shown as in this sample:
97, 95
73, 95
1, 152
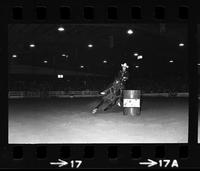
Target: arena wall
72, 94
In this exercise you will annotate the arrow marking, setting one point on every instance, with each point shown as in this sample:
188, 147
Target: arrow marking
61, 163
150, 163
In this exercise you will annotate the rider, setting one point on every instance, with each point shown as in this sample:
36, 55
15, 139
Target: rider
113, 95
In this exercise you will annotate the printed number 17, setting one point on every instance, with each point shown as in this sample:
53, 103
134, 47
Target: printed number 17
75, 163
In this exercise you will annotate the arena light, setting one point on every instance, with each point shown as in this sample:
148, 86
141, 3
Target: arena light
136, 66
140, 57
45, 62
61, 29
130, 31
198, 64
181, 44
60, 76
171, 61
82, 66
90, 45
32, 45
64, 55
14, 56
135, 54
105, 62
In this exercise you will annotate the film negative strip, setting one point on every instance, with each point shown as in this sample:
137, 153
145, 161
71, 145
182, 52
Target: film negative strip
69, 62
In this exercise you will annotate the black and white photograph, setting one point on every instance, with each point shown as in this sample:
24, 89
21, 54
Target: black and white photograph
98, 83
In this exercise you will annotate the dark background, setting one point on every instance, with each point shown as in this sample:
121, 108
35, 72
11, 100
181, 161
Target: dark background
157, 43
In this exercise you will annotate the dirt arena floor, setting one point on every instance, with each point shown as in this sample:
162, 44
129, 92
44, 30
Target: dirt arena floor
69, 120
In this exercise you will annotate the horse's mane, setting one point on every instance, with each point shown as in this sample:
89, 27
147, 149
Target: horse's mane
117, 78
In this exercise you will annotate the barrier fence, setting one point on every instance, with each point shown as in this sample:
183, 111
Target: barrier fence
70, 94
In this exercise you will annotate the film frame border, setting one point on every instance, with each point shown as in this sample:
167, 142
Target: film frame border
101, 155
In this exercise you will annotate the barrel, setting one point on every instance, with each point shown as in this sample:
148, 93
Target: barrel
131, 102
